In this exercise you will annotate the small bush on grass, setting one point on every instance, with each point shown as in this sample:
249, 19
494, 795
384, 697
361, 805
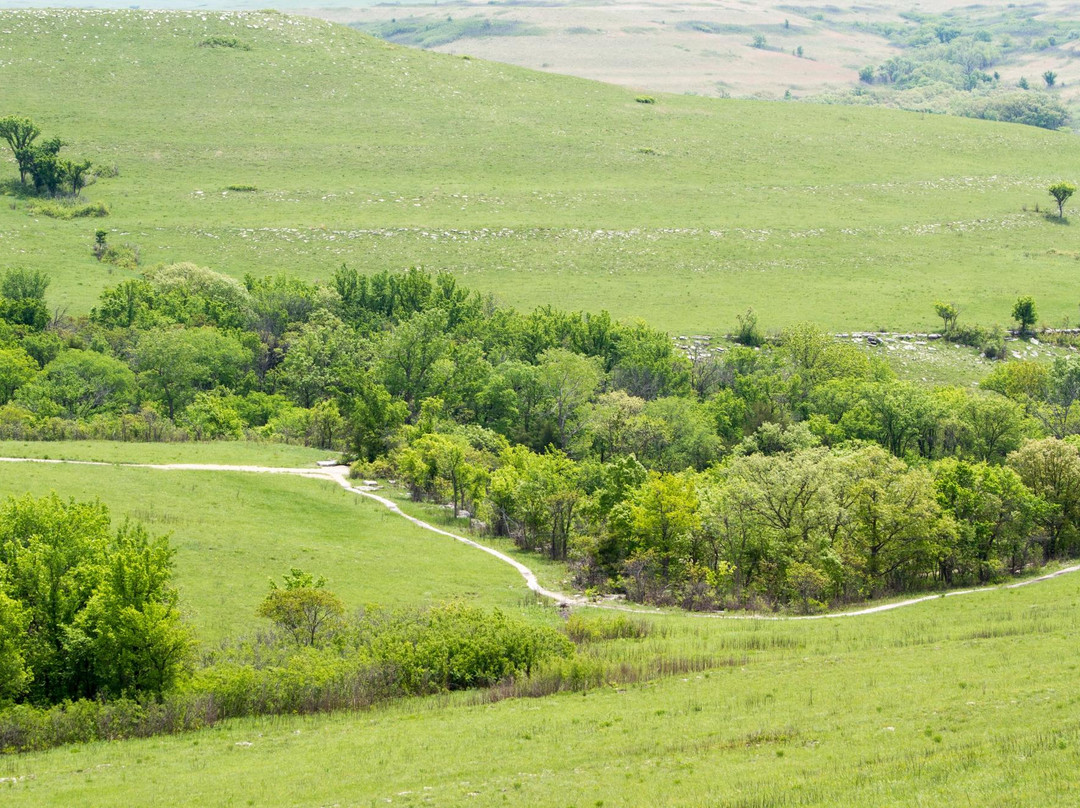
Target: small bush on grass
125, 256
224, 42
62, 209
584, 630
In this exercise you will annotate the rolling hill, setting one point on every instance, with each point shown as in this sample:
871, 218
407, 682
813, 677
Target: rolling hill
535, 187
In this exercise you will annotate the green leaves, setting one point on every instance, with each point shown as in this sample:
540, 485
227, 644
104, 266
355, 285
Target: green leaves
90, 612
1061, 191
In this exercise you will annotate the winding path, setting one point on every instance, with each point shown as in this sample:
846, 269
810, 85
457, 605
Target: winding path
340, 475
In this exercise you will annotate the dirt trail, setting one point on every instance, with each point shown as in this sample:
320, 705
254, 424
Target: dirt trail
340, 475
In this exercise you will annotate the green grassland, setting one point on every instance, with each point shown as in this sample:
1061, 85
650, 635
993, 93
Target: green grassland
233, 531
961, 701
538, 188
231, 453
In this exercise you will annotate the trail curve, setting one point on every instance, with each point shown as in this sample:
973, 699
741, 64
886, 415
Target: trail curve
340, 475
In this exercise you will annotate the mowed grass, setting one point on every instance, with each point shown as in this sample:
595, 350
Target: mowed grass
967, 701
234, 531
535, 187
231, 453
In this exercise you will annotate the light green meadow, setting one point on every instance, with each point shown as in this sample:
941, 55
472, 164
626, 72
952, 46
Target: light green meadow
967, 701
535, 187
234, 531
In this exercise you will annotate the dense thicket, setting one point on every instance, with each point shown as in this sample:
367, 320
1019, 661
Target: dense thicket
657, 474
85, 611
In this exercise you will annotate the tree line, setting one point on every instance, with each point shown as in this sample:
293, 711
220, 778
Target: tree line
585, 438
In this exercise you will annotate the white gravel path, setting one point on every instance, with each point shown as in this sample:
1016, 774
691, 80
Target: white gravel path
340, 475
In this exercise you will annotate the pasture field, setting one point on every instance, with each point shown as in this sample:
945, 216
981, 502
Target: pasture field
965, 701
234, 531
230, 453
534, 187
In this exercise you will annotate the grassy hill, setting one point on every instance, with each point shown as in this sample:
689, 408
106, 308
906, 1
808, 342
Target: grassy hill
960, 701
234, 531
536, 187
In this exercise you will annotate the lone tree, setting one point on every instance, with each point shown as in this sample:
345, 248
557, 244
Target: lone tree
302, 608
1024, 313
19, 134
1049, 77
1061, 191
948, 312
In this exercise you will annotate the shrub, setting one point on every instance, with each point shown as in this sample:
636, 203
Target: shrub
584, 630
224, 42
748, 332
241, 188
645, 99
58, 209
125, 256
993, 346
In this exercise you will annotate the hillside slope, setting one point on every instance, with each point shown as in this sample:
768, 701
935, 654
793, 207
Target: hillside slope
539, 188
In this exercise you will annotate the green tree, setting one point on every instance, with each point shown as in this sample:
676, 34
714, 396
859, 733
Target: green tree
320, 356
948, 312
995, 515
749, 333
1050, 469
46, 167
979, 425
1024, 313
413, 359
175, 364
1061, 191
302, 608
534, 498
80, 383
101, 617
439, 463
211, 416
894, 516
648, 366
1050, 77
77, 173
20, 133
22, 298
130, 303
570, 381
14, 622
192, 295
137, 641
17, 368
660, 517
373, 417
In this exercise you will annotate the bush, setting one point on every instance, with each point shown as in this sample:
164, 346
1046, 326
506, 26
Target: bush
224, 42
748, 332
126, 256
59, 209
241, 188
25, 728
993, 346
584, 630
645, 99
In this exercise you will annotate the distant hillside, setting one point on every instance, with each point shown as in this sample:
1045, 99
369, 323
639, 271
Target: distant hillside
539, 188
